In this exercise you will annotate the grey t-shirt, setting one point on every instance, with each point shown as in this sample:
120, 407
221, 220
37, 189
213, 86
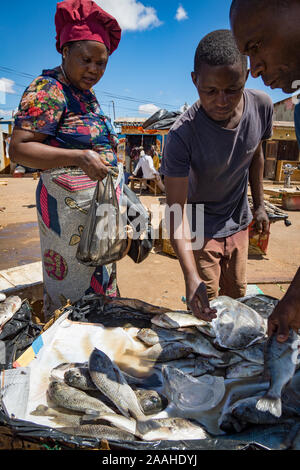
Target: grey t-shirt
217, 161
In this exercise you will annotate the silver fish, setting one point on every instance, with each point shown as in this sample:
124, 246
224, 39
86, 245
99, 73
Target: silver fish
190, 394
195, 366
58, 372
200, 345
109, 379
99, 431
244, 369
151, 337
253, 354
79, 377
8, 308
72, 399
58, 416
280, 366
170, 429
177, 320
164, 352
151, 401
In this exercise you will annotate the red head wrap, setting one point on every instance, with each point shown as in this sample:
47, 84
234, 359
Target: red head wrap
84, 20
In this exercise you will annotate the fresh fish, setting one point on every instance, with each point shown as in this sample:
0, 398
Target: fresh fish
236, 326
200, 345
244, 369
58, 372
262, 304
115, 420
170, 429
164, 352
190, 394
99, 431
195, 366
151, 401
79, 377
253, 354
8, 308
109, 379
153, 336
58, 416
244, 412
174, 320
72, 399
280, 366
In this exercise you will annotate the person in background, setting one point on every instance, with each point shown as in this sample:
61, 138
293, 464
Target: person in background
155, 157
211, 153
145, 163
268, 32
61, 129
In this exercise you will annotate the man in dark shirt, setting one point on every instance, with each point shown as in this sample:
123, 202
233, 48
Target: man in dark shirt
212, 151
268, 32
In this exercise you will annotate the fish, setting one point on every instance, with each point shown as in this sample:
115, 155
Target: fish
8, 308
262, 304
58, 372
170, 429
58, 416
244, 412
190, 394
115, 420
174, 320
200, 345
151, 401
153, 336
73, 399
98, 431
253, 354
109, 379
195, 366
280, 366
243, 369
79, 377
164, 352
237, 326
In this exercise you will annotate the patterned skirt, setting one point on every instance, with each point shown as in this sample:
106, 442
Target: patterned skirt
63, 198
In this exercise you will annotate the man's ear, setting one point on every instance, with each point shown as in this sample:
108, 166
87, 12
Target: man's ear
194, 78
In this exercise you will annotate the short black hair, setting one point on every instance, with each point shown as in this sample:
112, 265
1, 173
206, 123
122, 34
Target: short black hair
218, 48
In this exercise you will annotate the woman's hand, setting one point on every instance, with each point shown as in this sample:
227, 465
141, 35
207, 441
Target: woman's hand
93, 165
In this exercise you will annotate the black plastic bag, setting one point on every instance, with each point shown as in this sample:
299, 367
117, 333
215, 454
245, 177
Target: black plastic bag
139, 220
18, 334
104, 238
162, 119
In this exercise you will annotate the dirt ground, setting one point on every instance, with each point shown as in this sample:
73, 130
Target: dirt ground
158, 280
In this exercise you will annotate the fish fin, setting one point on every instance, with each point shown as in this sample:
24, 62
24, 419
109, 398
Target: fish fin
89, 417
271, 404
92, 413
41, 410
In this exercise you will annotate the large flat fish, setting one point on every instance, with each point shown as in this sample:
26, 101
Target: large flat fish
109, 379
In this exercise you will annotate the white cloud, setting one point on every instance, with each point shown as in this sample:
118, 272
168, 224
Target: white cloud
7, 85
131, 14
181, 14
148, 109
6, 113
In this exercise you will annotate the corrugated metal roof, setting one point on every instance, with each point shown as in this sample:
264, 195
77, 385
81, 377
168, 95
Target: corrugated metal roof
130, 120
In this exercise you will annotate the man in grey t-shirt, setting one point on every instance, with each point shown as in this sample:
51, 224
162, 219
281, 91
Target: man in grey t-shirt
212, 151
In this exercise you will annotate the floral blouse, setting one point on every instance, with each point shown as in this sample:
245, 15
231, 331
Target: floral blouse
70, 118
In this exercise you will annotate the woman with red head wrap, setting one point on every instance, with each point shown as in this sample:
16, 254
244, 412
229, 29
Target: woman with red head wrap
61, 130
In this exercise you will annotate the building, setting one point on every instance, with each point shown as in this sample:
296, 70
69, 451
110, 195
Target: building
283, 147
4, 142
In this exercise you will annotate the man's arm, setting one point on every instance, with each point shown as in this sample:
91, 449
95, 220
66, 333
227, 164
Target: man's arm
176, 192
256, 175
138, 166
286, 314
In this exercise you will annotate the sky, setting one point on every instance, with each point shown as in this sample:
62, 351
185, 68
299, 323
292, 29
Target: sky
151, 68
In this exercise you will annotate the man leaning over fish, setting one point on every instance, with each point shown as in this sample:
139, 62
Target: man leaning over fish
268, 32
212, 151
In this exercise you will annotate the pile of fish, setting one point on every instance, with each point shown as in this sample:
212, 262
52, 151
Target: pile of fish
205, 380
